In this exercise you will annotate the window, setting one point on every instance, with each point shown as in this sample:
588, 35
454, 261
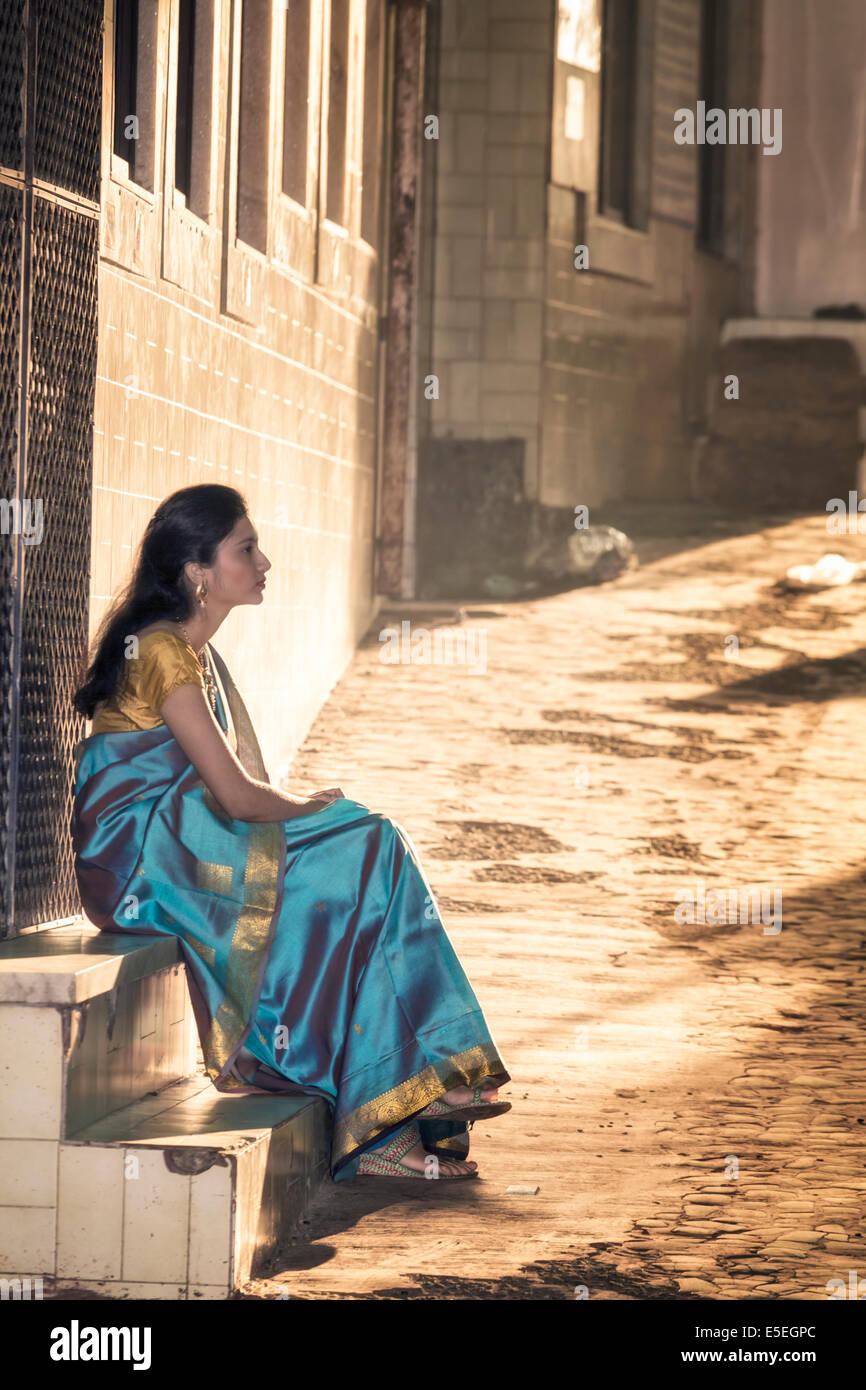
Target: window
185, 80
626, 111
296, 94
617, 107
255, 78
125, 81
578, 34
194, 105
338, 93
372, 134
135, 39
710, 229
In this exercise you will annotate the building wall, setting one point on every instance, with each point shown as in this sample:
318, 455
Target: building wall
220, 362
812, 210
493, 110
602, 371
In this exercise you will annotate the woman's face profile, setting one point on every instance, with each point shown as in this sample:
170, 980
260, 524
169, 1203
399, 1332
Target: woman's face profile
237, 574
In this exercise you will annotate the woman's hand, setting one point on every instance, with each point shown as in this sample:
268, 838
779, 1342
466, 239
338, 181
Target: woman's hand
310, 805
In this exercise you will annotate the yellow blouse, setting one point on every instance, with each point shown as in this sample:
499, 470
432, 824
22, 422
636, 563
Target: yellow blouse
165, 661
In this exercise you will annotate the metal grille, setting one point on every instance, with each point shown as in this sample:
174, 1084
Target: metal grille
11, 72
68, 102
10, 284
48, 295
62, 349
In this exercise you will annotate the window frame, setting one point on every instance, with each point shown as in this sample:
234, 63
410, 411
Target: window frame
147, 42
295, 225
375, 141
712, 179
638, 117
339, 247
191, 234
129, 225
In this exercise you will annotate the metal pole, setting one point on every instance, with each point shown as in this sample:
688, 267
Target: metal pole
31, 26
396, 570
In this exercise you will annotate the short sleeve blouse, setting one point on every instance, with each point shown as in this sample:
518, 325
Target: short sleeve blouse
165, 662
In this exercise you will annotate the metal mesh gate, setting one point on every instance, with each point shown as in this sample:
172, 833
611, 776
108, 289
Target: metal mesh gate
50, 116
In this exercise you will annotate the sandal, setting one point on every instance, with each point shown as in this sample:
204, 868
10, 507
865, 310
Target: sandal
385, 1162
474, 1109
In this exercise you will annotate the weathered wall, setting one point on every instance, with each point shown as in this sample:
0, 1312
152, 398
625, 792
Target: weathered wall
493, 109
631, 343
220, 363
812, 196
602, 372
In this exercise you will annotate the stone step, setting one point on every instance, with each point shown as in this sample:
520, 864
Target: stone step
198, 1192
89, 1022
122, 1169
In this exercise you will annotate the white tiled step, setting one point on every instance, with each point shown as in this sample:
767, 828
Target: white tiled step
89, 1022
196, 1191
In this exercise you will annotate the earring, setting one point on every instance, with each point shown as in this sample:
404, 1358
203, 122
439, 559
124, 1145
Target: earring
201, 593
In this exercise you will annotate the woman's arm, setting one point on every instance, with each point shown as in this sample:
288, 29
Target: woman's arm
188, 717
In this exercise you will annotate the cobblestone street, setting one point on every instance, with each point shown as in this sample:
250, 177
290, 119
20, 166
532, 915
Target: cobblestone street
688, 1096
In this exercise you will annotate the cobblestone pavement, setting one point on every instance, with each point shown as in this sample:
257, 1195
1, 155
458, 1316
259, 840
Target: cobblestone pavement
688, 1096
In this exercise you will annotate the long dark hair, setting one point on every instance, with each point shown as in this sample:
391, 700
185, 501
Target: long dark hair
187, 526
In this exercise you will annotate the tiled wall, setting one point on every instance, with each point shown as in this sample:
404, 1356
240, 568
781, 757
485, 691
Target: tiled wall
220, 363
494, 135
812, 245
631, 351
138, 1039
288, 421
603, 372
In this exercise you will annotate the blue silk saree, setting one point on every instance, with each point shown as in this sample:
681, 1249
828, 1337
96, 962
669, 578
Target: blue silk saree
315, 955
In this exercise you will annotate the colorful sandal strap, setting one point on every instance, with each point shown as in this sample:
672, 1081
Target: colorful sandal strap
402, 1142
437, 1107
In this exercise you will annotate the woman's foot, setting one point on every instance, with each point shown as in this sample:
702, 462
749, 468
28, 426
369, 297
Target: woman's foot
424, 1162
401, 1153
467, 1103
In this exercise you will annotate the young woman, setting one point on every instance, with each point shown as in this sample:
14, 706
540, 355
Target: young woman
315, 956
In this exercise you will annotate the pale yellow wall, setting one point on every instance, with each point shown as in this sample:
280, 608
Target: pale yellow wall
275, 397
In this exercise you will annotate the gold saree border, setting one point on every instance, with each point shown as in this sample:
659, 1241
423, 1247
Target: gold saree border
214, 878
369, 1120
207, 953
252, 929
246, 744
261, 890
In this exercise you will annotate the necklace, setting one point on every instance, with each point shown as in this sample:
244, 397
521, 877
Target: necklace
209, 681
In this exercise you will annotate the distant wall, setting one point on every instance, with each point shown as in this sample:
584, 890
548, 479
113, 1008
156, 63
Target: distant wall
495, 65
812, 196
601, 372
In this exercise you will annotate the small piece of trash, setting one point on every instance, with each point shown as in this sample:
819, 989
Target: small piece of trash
829, 572
522, 1189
